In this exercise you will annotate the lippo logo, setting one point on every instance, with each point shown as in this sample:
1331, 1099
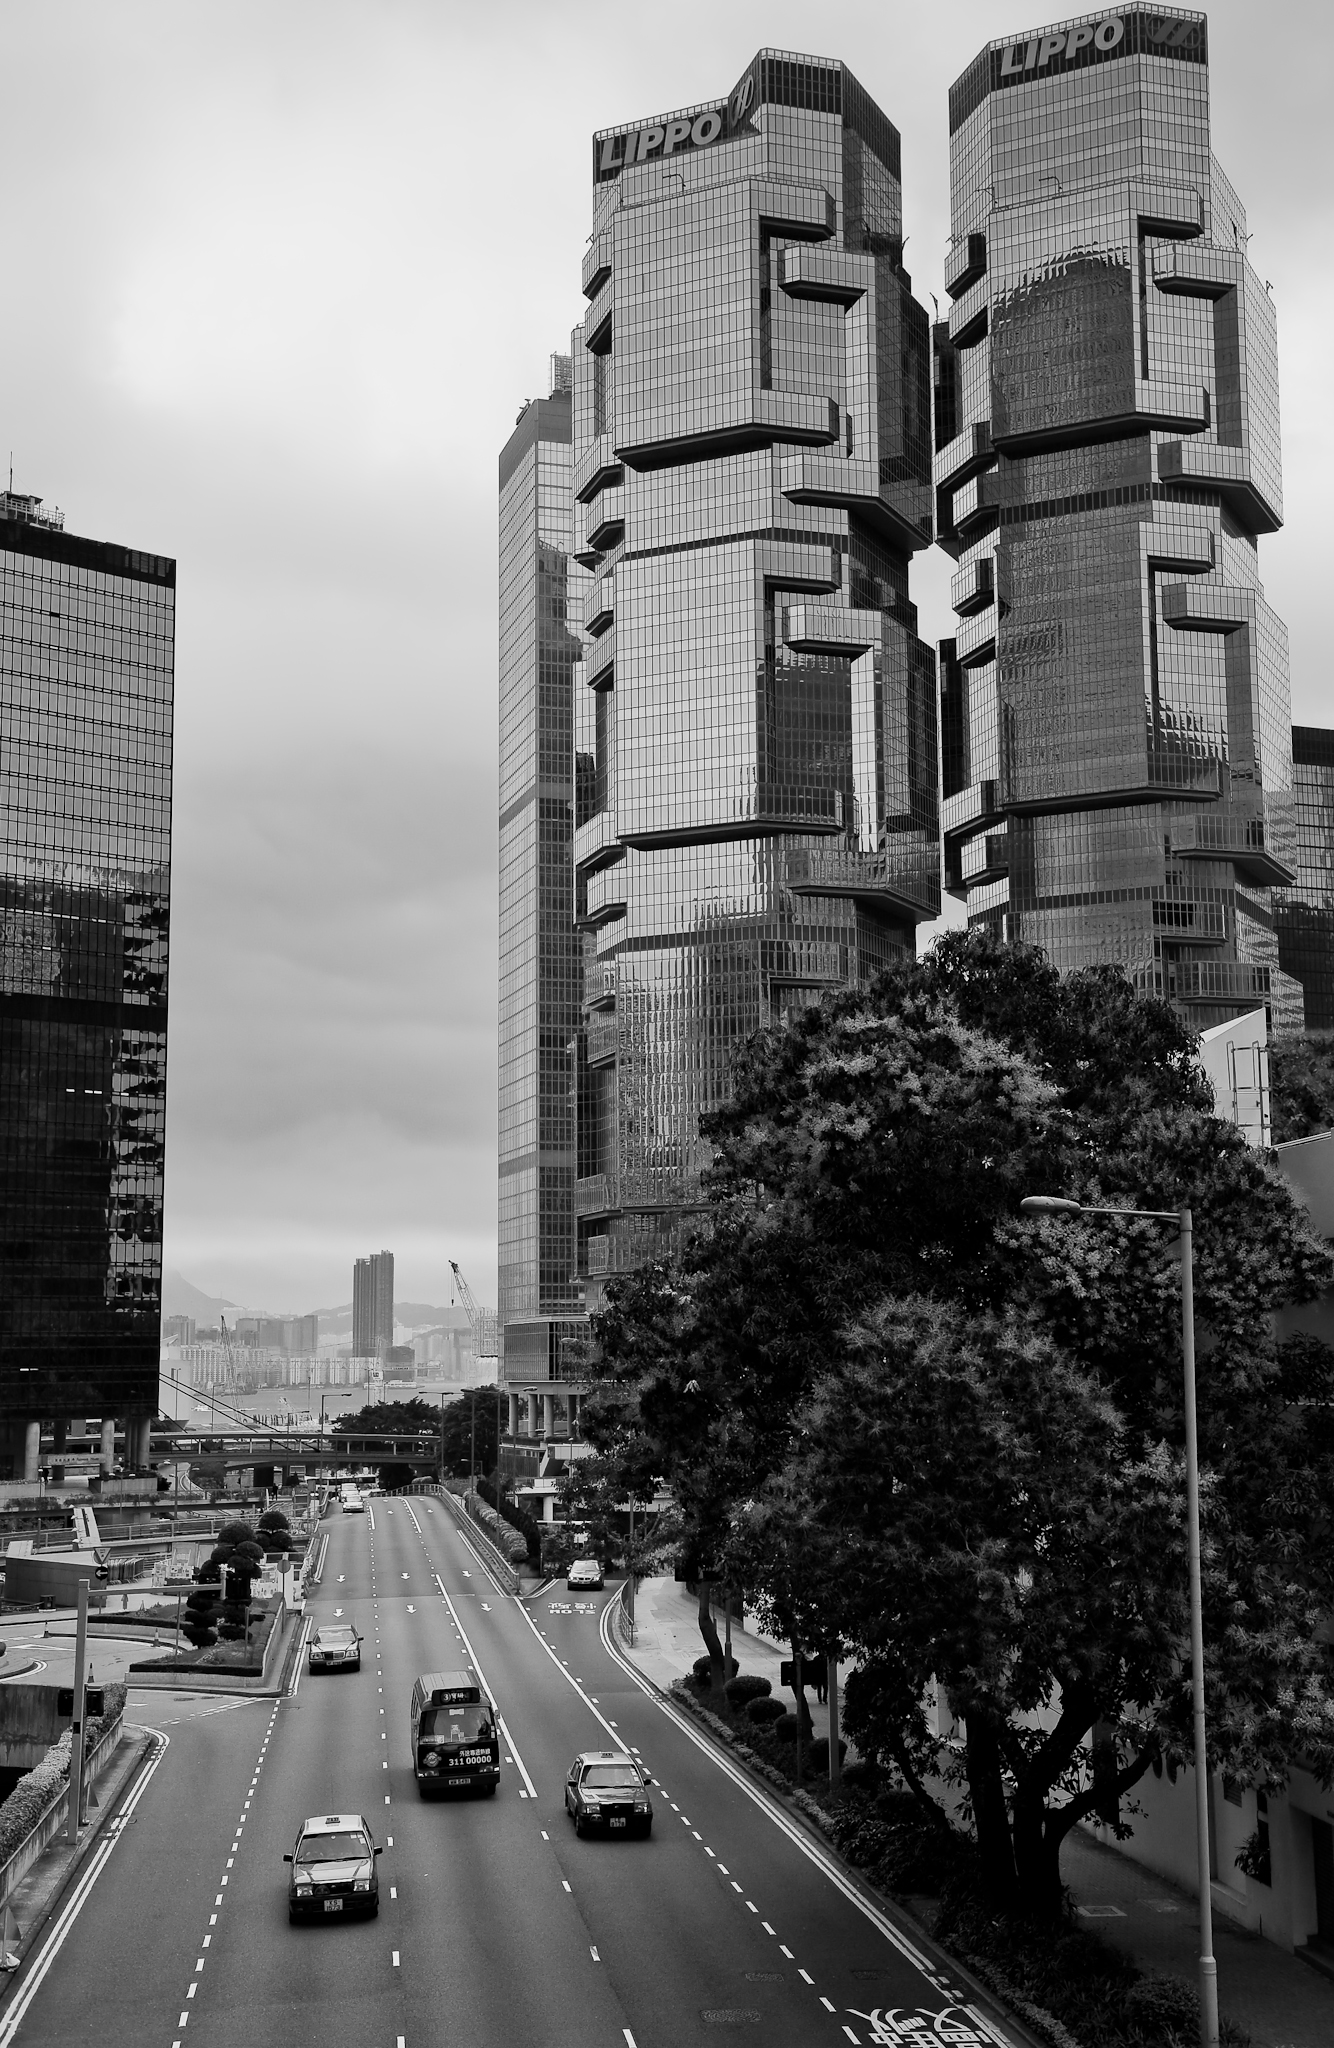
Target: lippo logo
1040, 51
1120, 35
613, 154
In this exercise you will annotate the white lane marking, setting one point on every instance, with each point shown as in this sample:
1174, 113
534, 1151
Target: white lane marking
768, 1929
805, 1979
396, 1966
371, 1513
565, 1884
9, 2026
593, 1952
393, 1891
827, 2003
810, 1849
785, 1950
411, 1608
569, 1677
476, 1664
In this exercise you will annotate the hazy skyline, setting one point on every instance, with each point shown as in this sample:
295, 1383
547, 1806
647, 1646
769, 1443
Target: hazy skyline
278, 282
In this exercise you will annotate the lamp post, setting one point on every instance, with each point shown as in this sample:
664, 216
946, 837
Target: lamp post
1056, 1205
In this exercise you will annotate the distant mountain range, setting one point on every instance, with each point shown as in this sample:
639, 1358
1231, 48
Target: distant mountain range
180, 1297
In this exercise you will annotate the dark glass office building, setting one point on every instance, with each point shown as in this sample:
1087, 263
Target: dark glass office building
1305, 912
541, 604
755, 764
86, 666
1115, 706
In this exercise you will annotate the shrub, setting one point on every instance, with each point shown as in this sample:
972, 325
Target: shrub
32, 1795
277, 1542
202, 1602
819, 1753
764, 1712
747, 1686
234, 1533
274, 1519
863, 1775
209, 1573
249, 1549
787, 1726
199, 1635
703, 1670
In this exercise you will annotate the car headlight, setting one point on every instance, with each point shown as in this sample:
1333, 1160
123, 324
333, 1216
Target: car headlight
303, 1891
361, 1884
641, 1803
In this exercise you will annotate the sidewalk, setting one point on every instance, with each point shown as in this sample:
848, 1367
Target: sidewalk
1281, 2000
667, 1642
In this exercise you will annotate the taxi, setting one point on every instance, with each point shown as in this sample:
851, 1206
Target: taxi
608, 1790
333, 1868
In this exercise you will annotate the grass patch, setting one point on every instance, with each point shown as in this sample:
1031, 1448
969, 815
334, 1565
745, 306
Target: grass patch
223, 1655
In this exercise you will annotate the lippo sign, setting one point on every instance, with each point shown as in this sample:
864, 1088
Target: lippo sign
1089, 42
613, 154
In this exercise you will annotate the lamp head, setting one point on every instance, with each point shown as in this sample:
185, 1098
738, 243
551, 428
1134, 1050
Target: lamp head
1049, 1205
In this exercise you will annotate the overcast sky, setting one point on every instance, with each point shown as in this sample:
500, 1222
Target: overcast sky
276, 280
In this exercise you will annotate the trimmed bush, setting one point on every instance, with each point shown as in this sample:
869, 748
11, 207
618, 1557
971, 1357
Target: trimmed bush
703, 1670
234, 1532
208, 1573
747, 1686
864, 1775
786, 1727
274, 1519
818, 1753
765, 1711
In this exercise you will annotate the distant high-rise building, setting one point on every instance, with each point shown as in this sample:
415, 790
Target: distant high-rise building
86, 673
373, 1305
301, 1335
1304, 913
1115, 705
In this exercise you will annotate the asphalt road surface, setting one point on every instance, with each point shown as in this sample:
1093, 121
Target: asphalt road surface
497, 1927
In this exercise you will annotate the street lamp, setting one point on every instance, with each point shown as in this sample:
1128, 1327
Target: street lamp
1058, 1205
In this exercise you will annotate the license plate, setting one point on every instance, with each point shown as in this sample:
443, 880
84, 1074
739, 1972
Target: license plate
461, 1781
618, 1823
333, 1905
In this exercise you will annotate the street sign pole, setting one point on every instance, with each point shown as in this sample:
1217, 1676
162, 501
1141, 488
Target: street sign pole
76, 1724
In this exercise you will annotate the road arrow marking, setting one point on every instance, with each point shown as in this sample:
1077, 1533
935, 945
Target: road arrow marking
411, 1608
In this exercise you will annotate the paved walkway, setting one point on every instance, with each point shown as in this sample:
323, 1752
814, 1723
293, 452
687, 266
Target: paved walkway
1279, 1999
667, 1642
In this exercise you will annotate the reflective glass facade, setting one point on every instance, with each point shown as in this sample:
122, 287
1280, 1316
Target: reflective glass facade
86, 670
1305, 912
1117, 768
539, 947
755, 761
372, 1305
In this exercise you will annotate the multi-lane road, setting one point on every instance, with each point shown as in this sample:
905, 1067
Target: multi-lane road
497, 1927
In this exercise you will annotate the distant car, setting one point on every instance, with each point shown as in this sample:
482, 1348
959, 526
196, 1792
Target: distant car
605, 1788
333, 1868
585, 1571
336, 1647
353, 1504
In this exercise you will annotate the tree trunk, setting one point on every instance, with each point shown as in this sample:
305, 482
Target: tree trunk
990, 1818
709, 1630
1037, 1855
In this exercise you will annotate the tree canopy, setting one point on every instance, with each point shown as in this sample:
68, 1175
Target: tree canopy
949, 1438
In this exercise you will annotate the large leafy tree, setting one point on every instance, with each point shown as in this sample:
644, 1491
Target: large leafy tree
867, 1326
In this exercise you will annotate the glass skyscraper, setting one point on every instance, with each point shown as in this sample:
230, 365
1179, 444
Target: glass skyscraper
541, 603
1305, 912
86, 672
755, 767
372, 1305
1117, 765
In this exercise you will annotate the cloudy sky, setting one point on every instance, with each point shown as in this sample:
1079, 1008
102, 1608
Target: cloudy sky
276, 279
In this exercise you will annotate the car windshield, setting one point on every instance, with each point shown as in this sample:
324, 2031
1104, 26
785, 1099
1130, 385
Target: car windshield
340, 1848
336, 1635
611, 1774
456, 1724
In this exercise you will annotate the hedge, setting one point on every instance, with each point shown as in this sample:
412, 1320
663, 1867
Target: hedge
508, 1541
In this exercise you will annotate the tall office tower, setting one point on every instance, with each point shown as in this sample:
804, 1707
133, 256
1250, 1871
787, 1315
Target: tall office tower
1115, 728
755, 716
541, 604
86, 669
1304, 913
373, 1305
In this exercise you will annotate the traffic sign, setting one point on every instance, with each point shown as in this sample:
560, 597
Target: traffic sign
65, 1702
103, 1572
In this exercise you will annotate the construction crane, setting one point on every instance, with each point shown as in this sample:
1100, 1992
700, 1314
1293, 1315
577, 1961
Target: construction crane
485, 1321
